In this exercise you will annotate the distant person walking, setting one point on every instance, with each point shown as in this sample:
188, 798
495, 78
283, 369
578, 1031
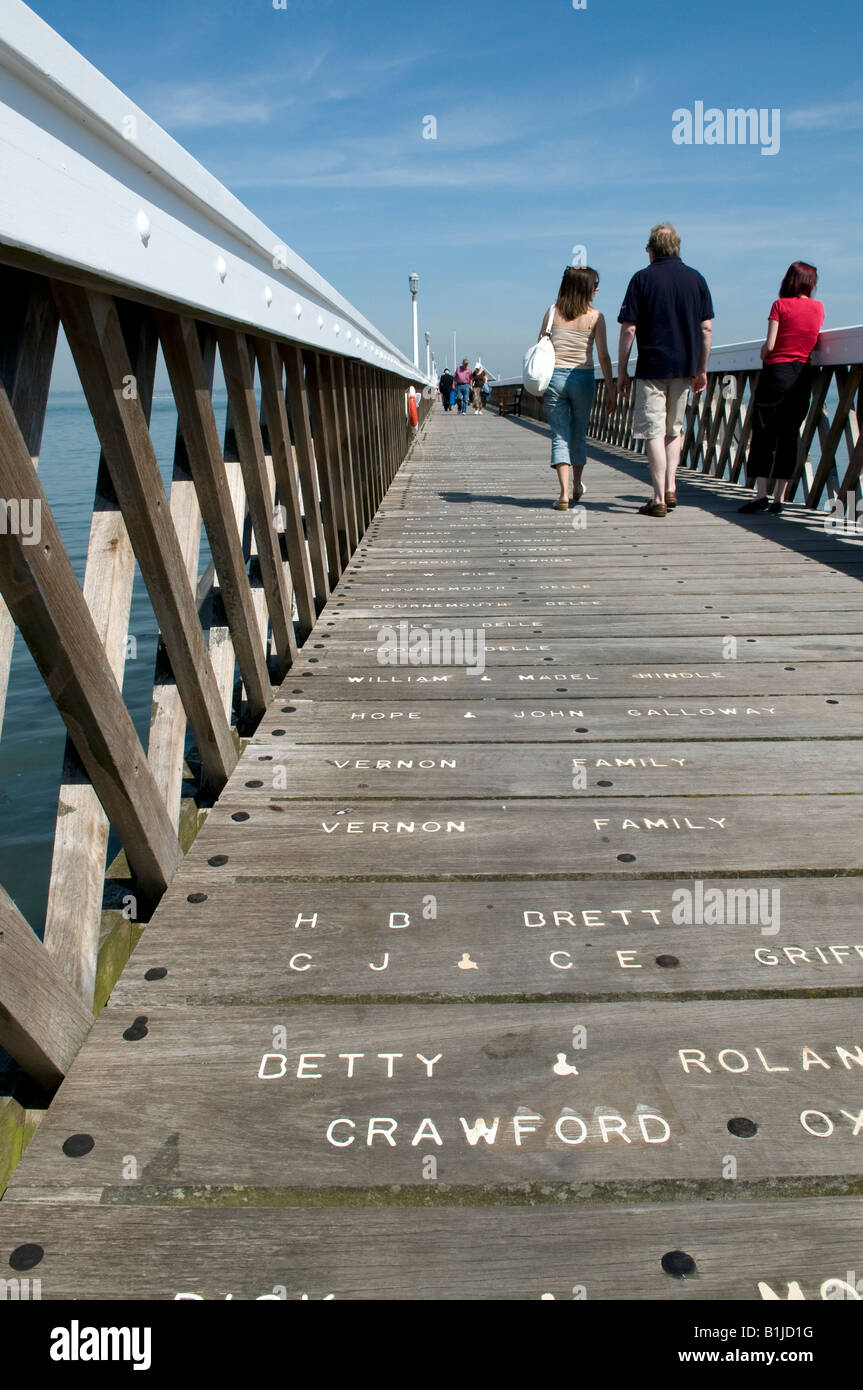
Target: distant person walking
667, 309
478, 379
575, 327
462, 386
785, 386
445, 386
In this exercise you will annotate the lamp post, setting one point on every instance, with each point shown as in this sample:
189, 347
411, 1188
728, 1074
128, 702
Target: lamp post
414, 282
428, 353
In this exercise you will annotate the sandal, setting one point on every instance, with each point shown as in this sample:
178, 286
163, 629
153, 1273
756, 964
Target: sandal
561, 506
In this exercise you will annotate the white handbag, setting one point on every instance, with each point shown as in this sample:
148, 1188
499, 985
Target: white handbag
539, 360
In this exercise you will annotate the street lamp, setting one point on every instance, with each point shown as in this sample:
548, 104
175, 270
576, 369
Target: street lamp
428, 353
414, 282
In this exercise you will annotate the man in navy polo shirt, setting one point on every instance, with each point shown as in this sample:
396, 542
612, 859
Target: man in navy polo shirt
667, 309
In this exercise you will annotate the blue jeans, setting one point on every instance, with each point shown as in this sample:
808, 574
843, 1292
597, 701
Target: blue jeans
462, 396
568, 399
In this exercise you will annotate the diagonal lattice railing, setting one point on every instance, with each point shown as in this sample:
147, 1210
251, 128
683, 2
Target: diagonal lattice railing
155, 257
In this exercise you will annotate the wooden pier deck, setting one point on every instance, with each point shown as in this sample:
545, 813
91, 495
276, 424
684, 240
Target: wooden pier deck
428, 1010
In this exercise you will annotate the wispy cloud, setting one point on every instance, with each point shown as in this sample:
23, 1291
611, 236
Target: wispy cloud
839, 115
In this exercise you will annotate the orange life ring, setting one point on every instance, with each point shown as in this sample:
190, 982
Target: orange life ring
413, 417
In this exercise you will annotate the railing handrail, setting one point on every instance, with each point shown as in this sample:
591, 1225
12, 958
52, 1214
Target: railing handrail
63, 132
837, 347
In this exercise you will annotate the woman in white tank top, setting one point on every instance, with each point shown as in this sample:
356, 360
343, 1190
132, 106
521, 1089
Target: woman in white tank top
576, 326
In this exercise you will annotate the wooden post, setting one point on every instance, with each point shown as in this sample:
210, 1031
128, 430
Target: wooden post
338, 464
43, 1023
273, 397
847, 381
297, 393
192, 387
237, 366
74, 911
326, 482
28, 334
348, 449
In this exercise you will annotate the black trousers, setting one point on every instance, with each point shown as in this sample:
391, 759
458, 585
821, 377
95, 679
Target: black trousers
781, 402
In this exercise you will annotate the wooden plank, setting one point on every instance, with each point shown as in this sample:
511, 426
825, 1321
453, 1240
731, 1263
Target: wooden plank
346, 675
76, 889
28, 335
656, 661
43, 1022
584, 939
237, 366
93, 329
752, 1251
637, 1095
565, 718
297, 393
538, 615
270, 369
626, 835
44, 598
437, 770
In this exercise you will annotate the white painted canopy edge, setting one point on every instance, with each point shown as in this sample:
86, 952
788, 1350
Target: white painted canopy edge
98, 186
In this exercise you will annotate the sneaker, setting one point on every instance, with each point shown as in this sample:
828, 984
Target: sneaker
653, 509
758, 504
671, 500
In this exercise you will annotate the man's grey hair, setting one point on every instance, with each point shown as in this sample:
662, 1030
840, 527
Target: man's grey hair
663, 240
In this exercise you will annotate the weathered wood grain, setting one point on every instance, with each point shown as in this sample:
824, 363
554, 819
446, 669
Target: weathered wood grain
567, 938
641, 1094
566, 717
341, 677
43, 1020
795, 767
752, 1251
337, 838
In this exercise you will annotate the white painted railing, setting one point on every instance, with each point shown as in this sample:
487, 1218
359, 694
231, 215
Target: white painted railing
92, 183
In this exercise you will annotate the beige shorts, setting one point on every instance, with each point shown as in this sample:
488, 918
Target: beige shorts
660, 407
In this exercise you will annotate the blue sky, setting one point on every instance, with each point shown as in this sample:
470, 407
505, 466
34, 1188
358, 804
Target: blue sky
553, 130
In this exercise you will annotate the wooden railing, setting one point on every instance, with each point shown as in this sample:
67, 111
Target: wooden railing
314, 436
719, 421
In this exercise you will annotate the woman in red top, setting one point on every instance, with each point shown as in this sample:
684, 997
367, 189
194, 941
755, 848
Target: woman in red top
785, 386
